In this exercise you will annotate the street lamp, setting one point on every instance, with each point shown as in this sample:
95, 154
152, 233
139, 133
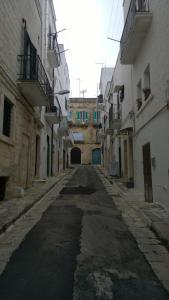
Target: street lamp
62, 92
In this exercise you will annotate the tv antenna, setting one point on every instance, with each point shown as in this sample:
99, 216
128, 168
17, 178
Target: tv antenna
83, 92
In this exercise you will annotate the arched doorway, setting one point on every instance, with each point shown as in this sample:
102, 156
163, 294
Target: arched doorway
96, 156
75, 156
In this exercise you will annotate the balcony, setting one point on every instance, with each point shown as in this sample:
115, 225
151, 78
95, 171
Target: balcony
70, 118
110, 131
78, 137
100, 98
81, 123
136, 27
98, 139
115, 116
52, 115
97, 123
53, 53
69, 141
101, 106
37, 117
101, 134
63, 130
33, 82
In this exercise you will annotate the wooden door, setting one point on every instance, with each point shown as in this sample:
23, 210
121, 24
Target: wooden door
125, 159
148, 192
37, 156
24, 161
96, 156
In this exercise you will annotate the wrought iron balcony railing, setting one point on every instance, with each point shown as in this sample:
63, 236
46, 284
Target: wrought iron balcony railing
32, 70
136, 6
52, 114
81, 122
115, 112
52, 109
138, 9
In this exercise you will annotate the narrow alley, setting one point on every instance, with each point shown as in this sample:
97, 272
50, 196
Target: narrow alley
79, 247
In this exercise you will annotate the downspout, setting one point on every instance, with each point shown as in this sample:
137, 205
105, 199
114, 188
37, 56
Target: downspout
51, 151
52, 126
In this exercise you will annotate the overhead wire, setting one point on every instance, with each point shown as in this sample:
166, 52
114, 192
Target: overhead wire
111, 13
116, 18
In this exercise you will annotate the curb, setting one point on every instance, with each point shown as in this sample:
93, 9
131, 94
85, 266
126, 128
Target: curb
29, 206
153, 222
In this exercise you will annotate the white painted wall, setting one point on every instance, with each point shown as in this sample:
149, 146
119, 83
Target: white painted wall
152, 120
11, 32
126, 4
106, 75
62, 82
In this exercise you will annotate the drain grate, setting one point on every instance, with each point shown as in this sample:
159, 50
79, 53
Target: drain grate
77, 190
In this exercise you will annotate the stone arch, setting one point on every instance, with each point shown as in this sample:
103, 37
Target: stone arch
75, 155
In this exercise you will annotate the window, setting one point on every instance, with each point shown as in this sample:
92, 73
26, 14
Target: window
96, 116
65, 103
49, 39
140, 5
147, 89
139, 95
121, 93
69, 116
82, 116
7, 117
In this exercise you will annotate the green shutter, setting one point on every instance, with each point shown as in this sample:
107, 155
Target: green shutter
95, 116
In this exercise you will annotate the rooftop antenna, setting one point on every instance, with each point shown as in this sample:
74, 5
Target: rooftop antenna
83, 92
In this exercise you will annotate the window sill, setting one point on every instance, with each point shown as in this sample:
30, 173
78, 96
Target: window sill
6, 140
146, 102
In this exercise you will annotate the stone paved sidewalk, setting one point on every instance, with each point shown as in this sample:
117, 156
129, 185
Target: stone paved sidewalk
148, 222
11, 210
153, 214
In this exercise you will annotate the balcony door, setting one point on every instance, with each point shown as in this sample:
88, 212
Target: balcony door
30, 58
140, 5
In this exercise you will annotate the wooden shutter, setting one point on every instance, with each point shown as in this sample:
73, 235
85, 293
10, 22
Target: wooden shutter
94, 116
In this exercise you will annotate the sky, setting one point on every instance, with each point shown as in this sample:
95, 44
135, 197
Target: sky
88, 23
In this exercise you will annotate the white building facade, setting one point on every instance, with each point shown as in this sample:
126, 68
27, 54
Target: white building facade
29, 54
103, 104
141, 80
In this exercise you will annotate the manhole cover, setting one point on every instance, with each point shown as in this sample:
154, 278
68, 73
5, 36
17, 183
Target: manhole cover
75, 190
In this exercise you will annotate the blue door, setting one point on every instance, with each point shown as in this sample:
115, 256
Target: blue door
96, 156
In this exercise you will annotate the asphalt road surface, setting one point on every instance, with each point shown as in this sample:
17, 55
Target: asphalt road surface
81, 249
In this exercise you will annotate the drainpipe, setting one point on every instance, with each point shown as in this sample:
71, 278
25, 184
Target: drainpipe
51, 151
52, 126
